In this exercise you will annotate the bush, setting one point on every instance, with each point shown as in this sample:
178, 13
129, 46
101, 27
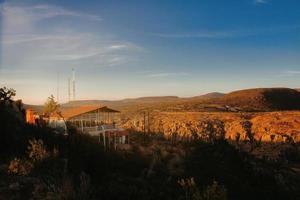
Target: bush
37, 151
213, 192
210, 192
243, 175
19, 167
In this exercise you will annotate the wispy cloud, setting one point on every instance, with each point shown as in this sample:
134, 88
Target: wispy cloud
16, 39
38, 40
195, 35
166, 74
120, 46
260, 1
44, 11
49, 11
291, 72
25, 18
229, 33
23, 36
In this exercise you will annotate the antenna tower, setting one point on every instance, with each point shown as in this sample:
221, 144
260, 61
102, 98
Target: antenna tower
73, 84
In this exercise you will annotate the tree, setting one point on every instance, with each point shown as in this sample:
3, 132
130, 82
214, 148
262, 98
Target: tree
7, 94
51, 106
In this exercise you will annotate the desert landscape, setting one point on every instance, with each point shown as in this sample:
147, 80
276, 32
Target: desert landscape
149, 100
216, 137
266, 118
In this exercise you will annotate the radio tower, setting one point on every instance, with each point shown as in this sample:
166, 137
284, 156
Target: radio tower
57, 89
69, 89
73, 84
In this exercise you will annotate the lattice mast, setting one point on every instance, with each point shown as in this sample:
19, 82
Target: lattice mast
69, 89
73, 84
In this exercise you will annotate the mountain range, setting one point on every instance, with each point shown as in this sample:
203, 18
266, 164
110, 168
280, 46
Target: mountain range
257, 99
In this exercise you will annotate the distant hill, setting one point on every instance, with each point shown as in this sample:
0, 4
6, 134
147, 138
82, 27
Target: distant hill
153, 99
263, 99
259, 99
36, 108
83, 103
210, 95
150, 99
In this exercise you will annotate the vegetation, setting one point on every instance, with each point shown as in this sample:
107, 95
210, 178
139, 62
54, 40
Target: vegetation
48, 165
260, 99
51, 106
7, 94
263, 99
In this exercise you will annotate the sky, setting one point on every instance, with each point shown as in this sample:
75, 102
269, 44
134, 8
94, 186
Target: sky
125, 49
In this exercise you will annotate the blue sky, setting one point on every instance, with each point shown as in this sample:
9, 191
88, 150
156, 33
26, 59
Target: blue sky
123, 49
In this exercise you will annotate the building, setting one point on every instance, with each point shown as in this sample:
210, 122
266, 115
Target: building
31, 116
98, 121
90, 116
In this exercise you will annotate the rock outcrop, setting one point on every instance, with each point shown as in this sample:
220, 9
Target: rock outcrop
264, 135
263, 127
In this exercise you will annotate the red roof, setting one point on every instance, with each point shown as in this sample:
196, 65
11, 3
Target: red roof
74, 111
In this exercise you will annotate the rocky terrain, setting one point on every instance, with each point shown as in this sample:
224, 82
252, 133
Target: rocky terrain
253, 155
260, 115
265, 127
276, 128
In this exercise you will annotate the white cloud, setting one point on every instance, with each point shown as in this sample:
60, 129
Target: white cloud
23, 19
195, 35
230, 33
38, 41
16, 39
49, 11
166, 74
260, 1
291, 72
40, 12
120, 46
24, 37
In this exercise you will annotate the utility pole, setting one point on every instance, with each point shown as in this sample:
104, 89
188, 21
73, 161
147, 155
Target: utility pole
69, 89
144, 127
148, 122
73, 83
57, 89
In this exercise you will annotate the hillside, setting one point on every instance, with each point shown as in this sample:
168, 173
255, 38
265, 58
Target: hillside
149, 99
210, 95
260, 148
259, 99
153, 99
263, 99
113, 103
36, 108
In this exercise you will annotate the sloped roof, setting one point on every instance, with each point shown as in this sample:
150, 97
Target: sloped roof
74, 111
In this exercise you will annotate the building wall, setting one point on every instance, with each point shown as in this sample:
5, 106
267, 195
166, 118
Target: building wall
29, 116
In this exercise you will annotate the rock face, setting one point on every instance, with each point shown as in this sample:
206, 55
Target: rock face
276, 127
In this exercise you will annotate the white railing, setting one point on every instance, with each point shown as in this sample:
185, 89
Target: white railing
96, 130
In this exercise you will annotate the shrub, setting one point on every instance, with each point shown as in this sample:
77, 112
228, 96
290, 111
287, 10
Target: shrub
19, 167
37, 151
211, 192
214, 192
